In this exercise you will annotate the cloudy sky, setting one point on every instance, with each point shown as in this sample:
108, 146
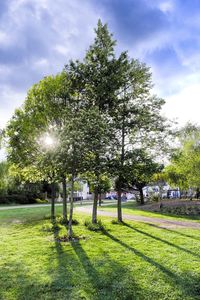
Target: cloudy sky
38, 37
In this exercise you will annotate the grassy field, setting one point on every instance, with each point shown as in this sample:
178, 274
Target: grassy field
130, 261
132, 208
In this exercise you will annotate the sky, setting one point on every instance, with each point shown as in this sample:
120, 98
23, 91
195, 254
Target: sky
38, 37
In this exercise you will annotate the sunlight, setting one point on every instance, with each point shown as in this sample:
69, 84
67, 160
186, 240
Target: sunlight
48, 141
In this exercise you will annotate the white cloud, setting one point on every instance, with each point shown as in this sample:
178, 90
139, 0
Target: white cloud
166, 6
37, 38
10, 100
184, 105
42, 35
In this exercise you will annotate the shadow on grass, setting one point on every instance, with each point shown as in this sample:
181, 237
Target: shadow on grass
182, 280
98, 277
161, 240
110, 279
173, 231
18, 284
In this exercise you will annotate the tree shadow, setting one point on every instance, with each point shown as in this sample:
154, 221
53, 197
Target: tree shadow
102, 276
18, 284
161, 240
96, 282
180, 281
114, 281
173, 231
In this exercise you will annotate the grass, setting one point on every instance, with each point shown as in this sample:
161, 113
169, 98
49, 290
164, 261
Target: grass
132, 208
128, 261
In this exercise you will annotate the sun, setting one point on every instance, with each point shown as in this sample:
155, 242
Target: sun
48, 141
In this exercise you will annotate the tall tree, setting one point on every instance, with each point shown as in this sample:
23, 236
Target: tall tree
96, 80
138, 121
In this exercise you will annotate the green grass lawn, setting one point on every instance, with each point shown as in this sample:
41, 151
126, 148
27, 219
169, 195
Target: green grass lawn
132, 208
130, 261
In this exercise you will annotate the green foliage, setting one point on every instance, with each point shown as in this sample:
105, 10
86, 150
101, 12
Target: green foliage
94, 227
103, 185
19, 198
182, 210
41, 201
4, 179
155, 198
101, 115
184, 168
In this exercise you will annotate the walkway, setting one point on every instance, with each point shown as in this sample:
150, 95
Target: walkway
162, 223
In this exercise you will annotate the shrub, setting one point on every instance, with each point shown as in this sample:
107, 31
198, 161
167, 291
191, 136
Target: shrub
19, 198
115, 222
51, 227
181, 210
60, 220
94, 227
155, 198
41, 201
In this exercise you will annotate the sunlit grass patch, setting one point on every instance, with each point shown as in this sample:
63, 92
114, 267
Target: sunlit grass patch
123, 261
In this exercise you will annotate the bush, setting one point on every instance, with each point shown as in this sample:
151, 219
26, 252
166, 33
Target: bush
19, 198
41, 201
53, 227
62, 221
116, 222
155, 198
181, 210
94, 227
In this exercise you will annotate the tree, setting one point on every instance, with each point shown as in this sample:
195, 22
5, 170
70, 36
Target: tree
142, 171
138, 122
39, 117
119, 88
103, 185
96, 81
71, 152
184, 167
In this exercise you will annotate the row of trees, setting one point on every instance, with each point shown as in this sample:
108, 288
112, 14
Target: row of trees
96, 118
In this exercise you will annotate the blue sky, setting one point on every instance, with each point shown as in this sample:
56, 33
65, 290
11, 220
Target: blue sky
38, 37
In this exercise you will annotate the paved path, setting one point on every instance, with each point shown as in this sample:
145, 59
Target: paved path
24, 206
39, 205
162, 223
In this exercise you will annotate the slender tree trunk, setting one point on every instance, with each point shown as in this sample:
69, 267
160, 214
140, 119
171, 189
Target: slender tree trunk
64, 198
53, 196
141, 196
45, 196
100, 199
94, 210
70, 232
119, 206
119, 200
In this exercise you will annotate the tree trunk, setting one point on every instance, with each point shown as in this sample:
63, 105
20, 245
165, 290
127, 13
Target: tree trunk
141, 196
94, 211
45, 196
70, 232
119, 198
119, 206
53, 196
64, 198
100, 199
